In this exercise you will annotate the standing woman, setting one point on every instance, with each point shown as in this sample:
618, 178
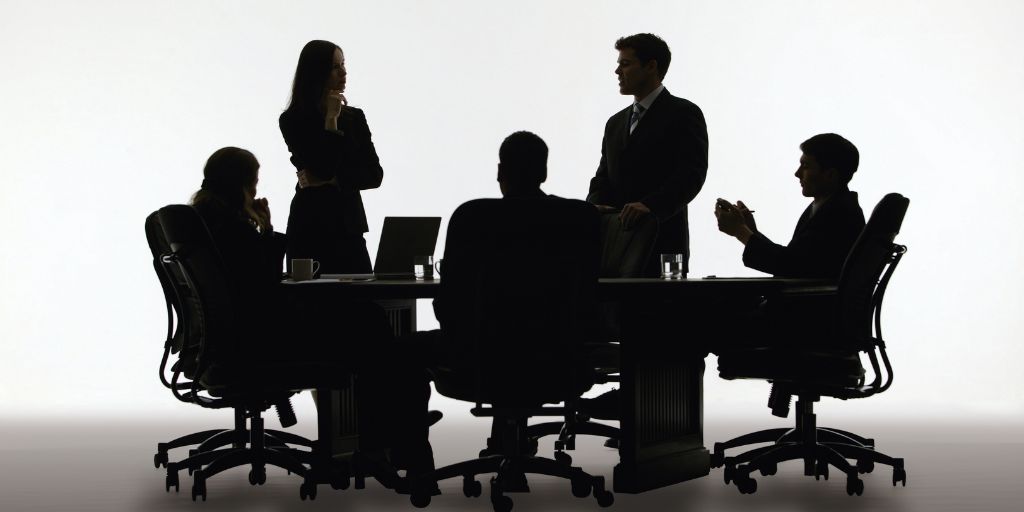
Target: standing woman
334, 158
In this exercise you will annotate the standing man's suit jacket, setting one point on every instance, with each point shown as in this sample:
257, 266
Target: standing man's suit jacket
820, 242
662, 164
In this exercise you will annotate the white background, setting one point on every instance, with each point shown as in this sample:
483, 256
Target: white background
108, 110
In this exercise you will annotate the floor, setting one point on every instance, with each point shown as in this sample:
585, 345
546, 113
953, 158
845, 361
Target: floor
109, 468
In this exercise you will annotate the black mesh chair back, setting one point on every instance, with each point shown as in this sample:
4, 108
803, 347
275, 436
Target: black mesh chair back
176, 326
517, 277
624, 253
197, 276
872, 253
863, 282
159, 247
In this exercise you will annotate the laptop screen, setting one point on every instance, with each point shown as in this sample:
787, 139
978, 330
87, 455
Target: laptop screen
401, 240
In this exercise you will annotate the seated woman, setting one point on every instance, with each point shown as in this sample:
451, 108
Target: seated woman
392, 390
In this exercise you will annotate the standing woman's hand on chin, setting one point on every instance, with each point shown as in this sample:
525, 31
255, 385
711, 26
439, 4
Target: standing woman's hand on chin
333, 104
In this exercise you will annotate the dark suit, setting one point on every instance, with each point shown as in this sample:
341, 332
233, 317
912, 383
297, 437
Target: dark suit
818, 249
820, 242
328, 224
662, 164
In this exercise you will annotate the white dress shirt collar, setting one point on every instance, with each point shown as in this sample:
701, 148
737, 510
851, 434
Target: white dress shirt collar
646, 102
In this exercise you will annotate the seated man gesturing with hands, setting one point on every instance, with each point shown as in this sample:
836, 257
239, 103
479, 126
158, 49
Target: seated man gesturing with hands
828, 227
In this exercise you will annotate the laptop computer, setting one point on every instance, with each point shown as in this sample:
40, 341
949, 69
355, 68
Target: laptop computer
401, 240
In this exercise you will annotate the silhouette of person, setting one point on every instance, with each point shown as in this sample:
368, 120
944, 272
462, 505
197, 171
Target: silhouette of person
654, 155
334, 156
827, 229
393, 389
522, 168
823, 237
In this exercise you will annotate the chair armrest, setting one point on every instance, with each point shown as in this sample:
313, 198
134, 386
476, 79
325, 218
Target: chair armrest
810, 290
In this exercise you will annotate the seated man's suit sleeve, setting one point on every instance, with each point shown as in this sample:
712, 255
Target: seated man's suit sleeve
819, 246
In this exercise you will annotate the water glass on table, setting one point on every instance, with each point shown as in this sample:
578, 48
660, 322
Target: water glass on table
423, 268
672, 266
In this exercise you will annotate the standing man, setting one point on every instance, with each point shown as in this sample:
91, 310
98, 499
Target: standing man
654, 156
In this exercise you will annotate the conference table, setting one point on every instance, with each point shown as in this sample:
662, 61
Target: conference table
662, 363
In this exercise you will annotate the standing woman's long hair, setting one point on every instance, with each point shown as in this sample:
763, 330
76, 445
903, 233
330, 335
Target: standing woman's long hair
229, 174
315, 64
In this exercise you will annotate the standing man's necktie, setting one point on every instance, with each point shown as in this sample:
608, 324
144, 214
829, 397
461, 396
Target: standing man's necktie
634, 117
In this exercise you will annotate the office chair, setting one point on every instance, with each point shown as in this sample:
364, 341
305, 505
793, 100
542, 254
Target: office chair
196, 275
517, 276
624, 253
181, 386
826, 364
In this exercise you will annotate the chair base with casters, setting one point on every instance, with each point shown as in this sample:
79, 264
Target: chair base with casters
510, 456
257, 454
818, 448
574, 423
209, 440
605, 360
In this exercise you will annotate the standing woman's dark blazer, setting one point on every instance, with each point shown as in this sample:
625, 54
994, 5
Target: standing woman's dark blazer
324, 221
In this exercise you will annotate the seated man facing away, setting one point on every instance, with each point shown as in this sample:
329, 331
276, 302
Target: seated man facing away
522, 167
828, 227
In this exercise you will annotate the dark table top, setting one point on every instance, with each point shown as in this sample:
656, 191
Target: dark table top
339, 286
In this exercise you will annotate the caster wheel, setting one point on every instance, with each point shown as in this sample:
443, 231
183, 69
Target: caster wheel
471, 488
501, 503
531, 446
580, 487
564, 458
865, 466
746, 485
307, 490
729, 473
854, 485
257, 476
160, 459
199, 488
171, 481
821, 470
419, 500
360, 482
769, 470
717, 459
340, 481
604, 498
899, 475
